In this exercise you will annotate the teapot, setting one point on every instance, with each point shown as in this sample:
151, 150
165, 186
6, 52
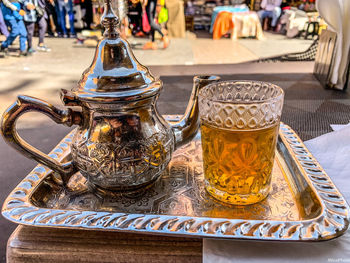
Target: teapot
122, 143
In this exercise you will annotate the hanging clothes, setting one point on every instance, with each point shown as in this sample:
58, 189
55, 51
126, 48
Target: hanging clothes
336, 16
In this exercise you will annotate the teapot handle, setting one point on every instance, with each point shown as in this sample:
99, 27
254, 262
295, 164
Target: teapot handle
9, 132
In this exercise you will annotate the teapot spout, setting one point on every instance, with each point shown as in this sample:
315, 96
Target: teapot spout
186, 128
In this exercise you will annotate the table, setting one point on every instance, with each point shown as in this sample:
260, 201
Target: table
308, 109
29, 244
240, 24
230, 9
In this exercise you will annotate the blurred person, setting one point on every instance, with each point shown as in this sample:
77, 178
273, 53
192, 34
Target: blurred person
135, 17
151, 11
271, 9
65, 7
36, 16
3, 26
52, 20
307, 6
88, 17
13, 13
122, 13
162, 15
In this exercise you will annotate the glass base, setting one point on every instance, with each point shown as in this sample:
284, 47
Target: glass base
236, 199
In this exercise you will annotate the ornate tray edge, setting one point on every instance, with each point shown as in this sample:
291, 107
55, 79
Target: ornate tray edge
332, 222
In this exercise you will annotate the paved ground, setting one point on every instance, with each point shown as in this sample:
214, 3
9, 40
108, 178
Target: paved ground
43, 74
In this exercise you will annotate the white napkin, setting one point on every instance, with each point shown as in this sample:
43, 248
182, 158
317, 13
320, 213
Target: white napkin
332, 150
337, 127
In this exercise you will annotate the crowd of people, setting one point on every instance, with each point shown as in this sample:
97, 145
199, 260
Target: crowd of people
145, 18
18, 18
273, 9
21, 18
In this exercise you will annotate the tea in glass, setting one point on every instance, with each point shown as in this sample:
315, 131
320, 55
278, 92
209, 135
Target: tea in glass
239, 129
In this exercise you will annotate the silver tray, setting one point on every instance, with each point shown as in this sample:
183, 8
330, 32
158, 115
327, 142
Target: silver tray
303, 205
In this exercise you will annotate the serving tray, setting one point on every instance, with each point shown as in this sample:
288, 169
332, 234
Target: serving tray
303, 204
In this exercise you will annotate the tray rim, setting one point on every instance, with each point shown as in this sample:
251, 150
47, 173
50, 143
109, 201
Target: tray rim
332, 222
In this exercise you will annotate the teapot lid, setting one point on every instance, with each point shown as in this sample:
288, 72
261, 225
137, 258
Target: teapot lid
115, 74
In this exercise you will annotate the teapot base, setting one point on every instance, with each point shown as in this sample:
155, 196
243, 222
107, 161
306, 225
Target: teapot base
123, 191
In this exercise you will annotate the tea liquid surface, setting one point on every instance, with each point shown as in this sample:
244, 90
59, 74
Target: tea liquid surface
238, 163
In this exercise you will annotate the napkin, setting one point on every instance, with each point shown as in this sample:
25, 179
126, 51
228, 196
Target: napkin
337, 127
332, 150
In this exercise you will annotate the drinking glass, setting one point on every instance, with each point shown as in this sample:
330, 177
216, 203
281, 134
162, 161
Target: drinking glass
239, 130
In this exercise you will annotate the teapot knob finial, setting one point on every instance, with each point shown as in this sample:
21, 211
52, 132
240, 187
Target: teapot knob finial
110, 21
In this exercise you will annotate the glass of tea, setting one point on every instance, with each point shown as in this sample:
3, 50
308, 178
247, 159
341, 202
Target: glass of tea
239, 130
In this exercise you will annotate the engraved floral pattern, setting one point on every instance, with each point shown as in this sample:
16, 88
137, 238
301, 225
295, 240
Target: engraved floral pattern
117, 151
217, 110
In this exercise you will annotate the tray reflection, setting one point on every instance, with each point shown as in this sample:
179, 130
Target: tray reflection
180, 192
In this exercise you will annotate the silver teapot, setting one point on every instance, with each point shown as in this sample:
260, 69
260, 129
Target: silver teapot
122, 143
